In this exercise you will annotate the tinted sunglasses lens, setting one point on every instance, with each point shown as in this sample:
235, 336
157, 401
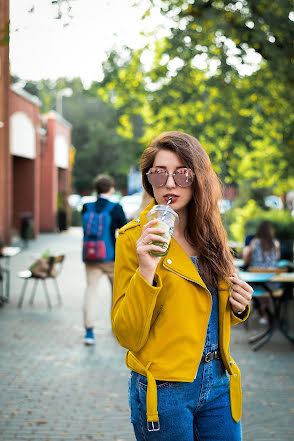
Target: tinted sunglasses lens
183, 177
156, 179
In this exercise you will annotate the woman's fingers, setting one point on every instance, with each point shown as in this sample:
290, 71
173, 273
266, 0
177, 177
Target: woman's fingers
241, 294
148, 243
153, 238
150, 224
143, 249
240, 299
154, 230
241, 291
241, 287
237, 306
152, 247
151, 233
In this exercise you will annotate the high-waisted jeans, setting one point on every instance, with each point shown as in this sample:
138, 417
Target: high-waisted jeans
198, 411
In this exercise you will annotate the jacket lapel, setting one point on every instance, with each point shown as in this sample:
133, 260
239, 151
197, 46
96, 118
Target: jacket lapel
180, 263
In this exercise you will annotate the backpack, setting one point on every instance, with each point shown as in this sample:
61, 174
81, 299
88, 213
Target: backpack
97, 242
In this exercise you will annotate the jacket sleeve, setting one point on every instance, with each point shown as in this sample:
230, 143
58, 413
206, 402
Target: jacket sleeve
134, 298
235, 319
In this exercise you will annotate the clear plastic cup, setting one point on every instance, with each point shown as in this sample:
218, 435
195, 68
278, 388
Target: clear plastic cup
167, 220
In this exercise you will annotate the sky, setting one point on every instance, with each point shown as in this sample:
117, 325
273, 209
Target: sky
40, 47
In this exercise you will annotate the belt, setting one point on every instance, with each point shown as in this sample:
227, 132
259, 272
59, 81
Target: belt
151, 398
213, 355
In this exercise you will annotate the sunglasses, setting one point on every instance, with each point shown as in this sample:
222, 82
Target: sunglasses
158, 177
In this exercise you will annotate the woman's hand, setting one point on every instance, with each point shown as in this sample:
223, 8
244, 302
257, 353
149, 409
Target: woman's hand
147, 262
241, 294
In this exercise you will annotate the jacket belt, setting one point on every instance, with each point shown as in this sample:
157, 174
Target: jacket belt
213, 355
151, 397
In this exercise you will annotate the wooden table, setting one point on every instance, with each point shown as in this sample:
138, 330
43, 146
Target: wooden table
277, 319
6, 254
283, 277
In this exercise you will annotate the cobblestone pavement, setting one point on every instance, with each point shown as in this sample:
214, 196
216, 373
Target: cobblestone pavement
55, 388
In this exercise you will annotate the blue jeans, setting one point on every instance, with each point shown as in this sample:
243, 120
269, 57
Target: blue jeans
198, 411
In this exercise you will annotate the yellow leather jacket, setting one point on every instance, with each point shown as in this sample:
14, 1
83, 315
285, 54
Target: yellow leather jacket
164, 326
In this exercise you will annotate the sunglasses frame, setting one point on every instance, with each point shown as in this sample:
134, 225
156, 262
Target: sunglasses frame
167, 175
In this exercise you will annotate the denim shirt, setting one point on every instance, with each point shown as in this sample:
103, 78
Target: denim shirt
211, 341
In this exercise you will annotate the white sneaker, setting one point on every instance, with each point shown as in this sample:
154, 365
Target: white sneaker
263, 321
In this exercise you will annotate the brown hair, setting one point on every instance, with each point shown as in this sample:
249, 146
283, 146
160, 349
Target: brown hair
103, 184
265, 234
204, 229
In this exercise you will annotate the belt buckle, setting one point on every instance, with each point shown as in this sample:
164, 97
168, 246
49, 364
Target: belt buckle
206, 358
153, 426
211, 356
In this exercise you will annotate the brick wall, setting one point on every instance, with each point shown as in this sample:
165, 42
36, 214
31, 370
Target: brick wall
5, 160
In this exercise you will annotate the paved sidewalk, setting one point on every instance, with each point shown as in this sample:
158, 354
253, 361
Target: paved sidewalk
55, 388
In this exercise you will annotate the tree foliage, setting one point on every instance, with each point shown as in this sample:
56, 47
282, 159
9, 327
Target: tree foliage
101, 147
226, 30
242, 113
224, 74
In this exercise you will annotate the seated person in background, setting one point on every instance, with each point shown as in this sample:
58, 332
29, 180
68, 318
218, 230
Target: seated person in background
248, 239
263, 251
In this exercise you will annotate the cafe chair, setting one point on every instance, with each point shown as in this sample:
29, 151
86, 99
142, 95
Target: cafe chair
55, 270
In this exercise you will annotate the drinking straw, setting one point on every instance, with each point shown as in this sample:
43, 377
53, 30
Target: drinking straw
165, 211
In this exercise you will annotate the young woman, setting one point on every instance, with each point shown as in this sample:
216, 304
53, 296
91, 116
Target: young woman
174, 313
263, 250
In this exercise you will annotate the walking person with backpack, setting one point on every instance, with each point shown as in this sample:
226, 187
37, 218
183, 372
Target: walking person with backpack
100, 219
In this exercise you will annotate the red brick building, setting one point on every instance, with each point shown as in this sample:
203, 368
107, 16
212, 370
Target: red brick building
37, 166
55, 180
5, 177
24, 159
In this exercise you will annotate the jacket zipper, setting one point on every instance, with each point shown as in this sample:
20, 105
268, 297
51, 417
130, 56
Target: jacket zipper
190, 280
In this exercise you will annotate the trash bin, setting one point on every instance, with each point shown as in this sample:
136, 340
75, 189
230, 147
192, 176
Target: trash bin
26, 227
62, 220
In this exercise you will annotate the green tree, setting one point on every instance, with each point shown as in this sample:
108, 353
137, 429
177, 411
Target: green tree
225, 30
247, 122
101, 141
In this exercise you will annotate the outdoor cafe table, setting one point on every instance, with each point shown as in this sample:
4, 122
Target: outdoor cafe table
283, 263
6, 254
277, 319
238, 263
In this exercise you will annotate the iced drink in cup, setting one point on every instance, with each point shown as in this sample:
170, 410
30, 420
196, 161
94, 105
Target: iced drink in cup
167, 220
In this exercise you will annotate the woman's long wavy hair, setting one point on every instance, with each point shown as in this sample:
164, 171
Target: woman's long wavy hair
265, 234
204, 228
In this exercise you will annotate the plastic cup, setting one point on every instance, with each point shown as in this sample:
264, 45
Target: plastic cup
167, 220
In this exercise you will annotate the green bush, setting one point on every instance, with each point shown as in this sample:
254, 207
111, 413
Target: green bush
281, 220
76, 218
239, 222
